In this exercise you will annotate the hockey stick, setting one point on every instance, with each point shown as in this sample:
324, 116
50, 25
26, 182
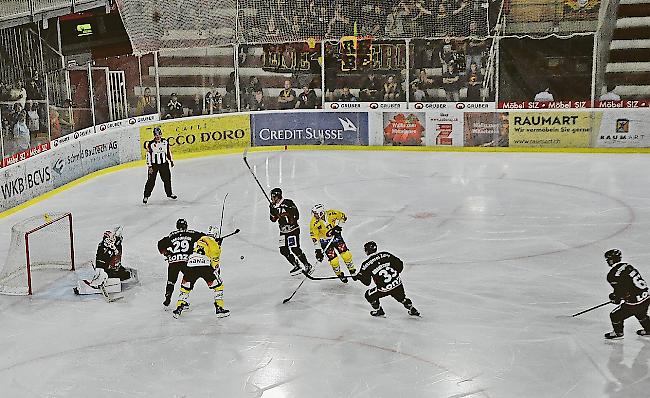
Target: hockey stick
255, 177
109, 297
294, 292
307, 276
223, 207
592, 308
230, 234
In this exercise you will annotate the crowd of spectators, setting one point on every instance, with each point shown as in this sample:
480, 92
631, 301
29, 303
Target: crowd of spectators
278, 20
23, 112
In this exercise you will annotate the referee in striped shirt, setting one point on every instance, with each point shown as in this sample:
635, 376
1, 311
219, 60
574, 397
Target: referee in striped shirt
159, 158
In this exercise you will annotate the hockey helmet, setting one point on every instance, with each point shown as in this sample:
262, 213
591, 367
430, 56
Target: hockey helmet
370, 247
276, 192
318, 210
181, 224
157, 131
613, 256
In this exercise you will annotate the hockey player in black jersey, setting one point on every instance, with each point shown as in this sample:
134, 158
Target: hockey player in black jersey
632, 290
285, 213
177, 248
383, 268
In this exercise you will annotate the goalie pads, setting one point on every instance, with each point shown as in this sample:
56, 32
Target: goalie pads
112, 285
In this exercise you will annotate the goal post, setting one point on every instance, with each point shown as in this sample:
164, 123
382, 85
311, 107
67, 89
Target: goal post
43, 242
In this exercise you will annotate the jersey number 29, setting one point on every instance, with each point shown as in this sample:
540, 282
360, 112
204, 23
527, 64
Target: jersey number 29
181, 246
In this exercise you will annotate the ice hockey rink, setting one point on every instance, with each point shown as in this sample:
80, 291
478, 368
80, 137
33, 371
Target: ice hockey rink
500, 249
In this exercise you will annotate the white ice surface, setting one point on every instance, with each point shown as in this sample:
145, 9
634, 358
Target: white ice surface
499, 249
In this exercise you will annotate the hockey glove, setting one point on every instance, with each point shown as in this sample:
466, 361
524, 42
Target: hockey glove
319, 255
274, 212
614, 299
355, 277
336, 231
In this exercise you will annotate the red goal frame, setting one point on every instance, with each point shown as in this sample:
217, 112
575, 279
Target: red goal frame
28, 263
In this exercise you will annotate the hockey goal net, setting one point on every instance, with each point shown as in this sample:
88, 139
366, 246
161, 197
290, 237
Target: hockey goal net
43, 242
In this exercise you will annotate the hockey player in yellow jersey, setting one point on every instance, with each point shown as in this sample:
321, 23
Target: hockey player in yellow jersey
325, 230
203, 263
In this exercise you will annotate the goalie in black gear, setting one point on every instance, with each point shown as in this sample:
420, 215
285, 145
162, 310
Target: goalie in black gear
383, 268
630, 293
285, 213
109, 271
177, 248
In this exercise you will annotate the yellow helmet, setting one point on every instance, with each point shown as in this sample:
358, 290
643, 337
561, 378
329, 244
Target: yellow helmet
201, 245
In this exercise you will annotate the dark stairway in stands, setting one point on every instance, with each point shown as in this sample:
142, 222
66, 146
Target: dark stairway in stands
629, 57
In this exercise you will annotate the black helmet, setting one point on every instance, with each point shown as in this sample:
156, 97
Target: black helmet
157, 131
613, 256
370, 247
181, 223
276, 192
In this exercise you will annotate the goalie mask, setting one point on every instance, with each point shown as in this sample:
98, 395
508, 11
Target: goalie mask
109, 239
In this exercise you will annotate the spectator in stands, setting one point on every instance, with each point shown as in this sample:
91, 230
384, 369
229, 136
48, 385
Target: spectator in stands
33, 119
447, 54
391, 90
442, 20
459, 17
424, 19
33, 91
253, 86
307, 99
474, 49
15, 114
55, 124
287, 97
610, 95
340, 24
197, 105
395, 21
272, 31
217, 103
21, 133
422, 86
258, 102
332, 66
373, 25
451, 82
18, 94
174, 108
346, 95
146, 103
230, 84
544, 96
4, 92
474, 83
371, 88
66, 118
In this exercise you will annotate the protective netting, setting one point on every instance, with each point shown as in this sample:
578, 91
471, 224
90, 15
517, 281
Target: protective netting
157, 24
48, 237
